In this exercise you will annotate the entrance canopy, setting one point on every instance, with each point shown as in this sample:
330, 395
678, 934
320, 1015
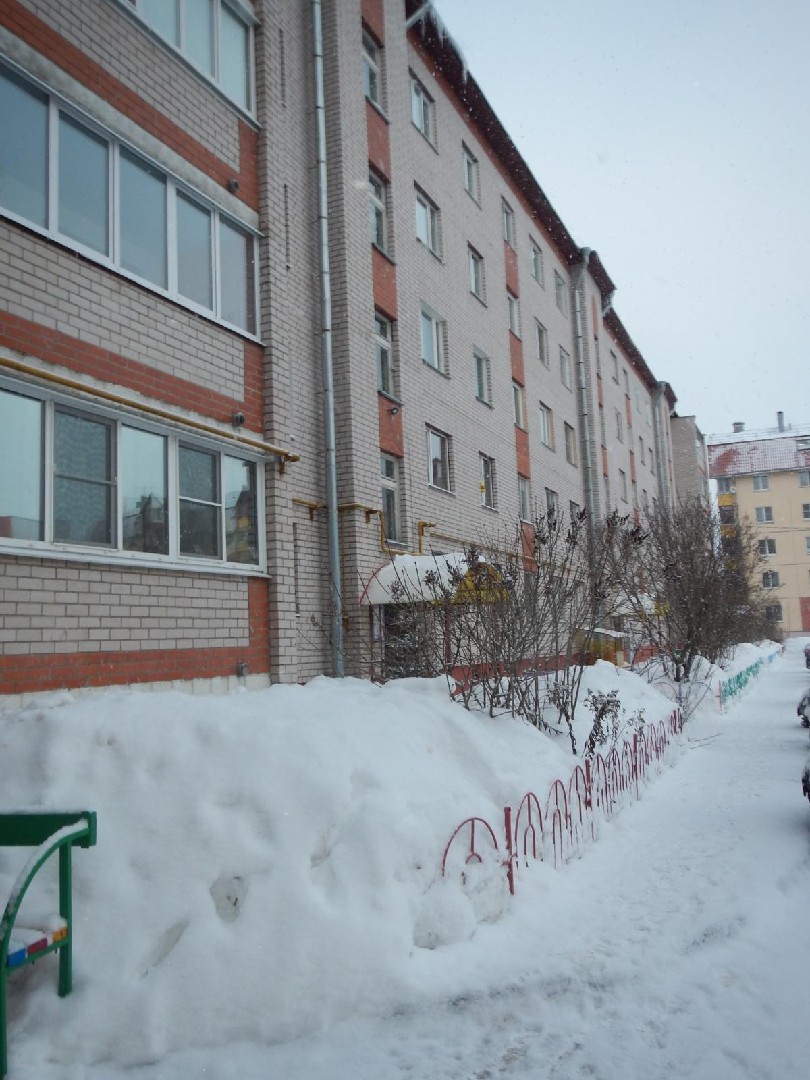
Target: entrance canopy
406, 578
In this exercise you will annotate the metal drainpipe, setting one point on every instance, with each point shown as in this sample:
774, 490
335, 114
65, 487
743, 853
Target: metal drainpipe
584, 413
660, 458
332, 517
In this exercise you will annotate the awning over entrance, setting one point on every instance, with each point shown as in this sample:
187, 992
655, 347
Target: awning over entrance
406, 578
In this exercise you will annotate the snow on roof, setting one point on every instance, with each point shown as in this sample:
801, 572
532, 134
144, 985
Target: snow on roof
411, 577
758, 456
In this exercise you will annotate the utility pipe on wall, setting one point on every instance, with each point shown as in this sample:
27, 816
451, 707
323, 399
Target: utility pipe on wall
332, 522
585, 416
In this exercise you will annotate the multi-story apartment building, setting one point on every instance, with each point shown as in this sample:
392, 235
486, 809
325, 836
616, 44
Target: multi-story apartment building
764, 476
278, 298
689, 459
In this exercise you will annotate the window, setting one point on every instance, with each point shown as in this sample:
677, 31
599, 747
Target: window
508, 224
773, 612
487, 481
427, 223
372, 81
761, 482
476, 266
807, 545
438, 460
619, 425
804, 478
88, 480
541, 342
211, 35
614, 365
764, 514
519, 399
560, 293
433, 340
770, 579
570, 445
552, 501
565, 368
389, 480
767, 547
472, 184
623, 484
524, 498
626, 382
99, 197
423, 110
574, 511
634, 492
378, 211
725, 486
728, 515
546, 426
383, 340
482, 377
806, 511
536, 262
514, 313
641, 450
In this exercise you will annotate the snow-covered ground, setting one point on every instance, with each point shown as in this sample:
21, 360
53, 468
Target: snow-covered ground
265, 902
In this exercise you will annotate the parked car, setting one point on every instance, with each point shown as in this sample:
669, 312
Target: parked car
803, 709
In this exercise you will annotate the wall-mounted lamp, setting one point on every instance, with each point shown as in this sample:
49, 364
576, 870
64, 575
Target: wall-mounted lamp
242, 669
393, 410
238, 419
233, 185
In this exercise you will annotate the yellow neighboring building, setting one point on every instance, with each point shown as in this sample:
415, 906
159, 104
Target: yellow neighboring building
765, 476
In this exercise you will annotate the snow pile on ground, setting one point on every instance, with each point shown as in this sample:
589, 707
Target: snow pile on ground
268, 861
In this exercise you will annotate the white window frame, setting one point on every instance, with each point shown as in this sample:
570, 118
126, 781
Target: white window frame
767, 547
770, 579
488, 486
774, 612
552, 501
570, 444
513, 306
566, 375
524, 498
372, 70
804, 478
761, 482
806, 511
378, 210
537, 263
623, 484
175, 438
384, 354
541, 343
725, 485
519, 405
619, 425
438, 339
471, 173
508, 224
546, 417
764, 515
428, 223
483, 376
216, 75
438, 439
560, 293
389, 482
423, 110
614, 365
175, 189
476, 270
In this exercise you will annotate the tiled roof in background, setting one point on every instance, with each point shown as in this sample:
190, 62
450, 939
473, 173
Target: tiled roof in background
759, 456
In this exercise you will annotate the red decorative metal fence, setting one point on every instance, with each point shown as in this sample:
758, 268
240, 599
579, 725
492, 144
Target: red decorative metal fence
558, 829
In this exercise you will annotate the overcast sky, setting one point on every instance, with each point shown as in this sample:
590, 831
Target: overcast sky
674, 138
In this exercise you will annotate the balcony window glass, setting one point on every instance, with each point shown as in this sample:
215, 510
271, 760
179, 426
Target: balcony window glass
83, 480
143, 219
194, 252
23, 150
83, 185
144, 491
20, 467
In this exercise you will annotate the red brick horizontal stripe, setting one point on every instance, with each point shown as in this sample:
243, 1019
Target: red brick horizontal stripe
78, 356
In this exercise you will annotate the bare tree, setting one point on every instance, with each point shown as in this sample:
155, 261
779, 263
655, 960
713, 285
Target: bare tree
689, 584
